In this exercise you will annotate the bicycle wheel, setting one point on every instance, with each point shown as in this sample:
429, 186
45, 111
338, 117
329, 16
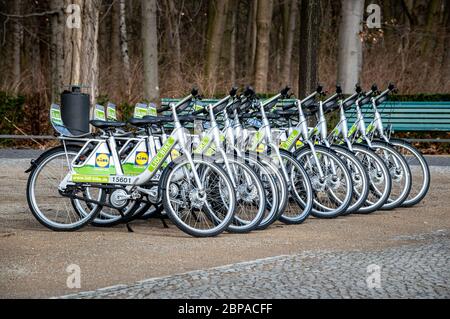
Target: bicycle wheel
360, 179
379, 178
250, 195
332, 191
420, 172
198, 212
267, 175
399, 171
46, 202
300, 200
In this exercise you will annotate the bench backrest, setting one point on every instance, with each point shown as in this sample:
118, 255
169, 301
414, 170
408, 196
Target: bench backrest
403, 116
409, 116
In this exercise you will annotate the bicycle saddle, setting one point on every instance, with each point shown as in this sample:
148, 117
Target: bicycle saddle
191, 118
286, 114
106, 124
149, 120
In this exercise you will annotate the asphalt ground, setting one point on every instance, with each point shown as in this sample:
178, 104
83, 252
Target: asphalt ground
325, 258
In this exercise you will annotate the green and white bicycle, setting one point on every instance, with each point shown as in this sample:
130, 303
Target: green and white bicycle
197, 194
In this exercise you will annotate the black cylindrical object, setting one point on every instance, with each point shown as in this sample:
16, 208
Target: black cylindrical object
75, 110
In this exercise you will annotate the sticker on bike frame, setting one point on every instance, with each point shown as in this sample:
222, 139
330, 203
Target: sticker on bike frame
99, 113
141, 158
55, 115
140, 110
212, 150
111, 112
102, 160
370, 128
77, 178
174, 154
336, 131
198, 107
257, 139
151, 111
204, 143
313, 132
289, 143
163, 151
352, 130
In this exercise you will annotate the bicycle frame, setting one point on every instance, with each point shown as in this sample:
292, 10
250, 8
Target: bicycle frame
176, 138
359, 132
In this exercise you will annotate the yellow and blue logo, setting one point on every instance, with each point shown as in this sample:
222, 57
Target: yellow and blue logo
102, 160
141, 158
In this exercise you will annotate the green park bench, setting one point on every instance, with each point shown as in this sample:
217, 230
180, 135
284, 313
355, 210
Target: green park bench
411, 117
403, 116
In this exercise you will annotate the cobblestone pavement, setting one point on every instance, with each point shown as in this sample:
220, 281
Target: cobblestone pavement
420, 269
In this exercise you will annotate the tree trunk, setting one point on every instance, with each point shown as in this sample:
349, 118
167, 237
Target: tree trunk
350, 46
432, 23
150, 50
217, 18
234, 26
89, 58
263, 20
115, 49
173, 38
57, 48
289, 43
309, 46
124, 45
251, 38
17, 47
73, 49
445, 70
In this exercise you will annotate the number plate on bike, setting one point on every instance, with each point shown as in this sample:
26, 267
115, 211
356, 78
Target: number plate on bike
126, 180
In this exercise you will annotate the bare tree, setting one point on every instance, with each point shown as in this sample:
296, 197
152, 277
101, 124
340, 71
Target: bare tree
57, 48
263, 20
115, 48
309, 45
250, 48
17, 47
150, 50
445, 65
234, 13
124, 45
289, 41
173, 38
350, 46
89, 58
217, 14
73, 49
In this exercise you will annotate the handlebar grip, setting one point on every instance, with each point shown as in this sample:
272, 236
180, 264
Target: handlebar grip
358, 88
233, 91
285, 91
391, 87
374, 88
319, 89
194, 92
249, 91
338, 89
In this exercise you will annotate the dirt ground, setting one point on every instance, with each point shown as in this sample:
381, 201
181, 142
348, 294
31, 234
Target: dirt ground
33, 260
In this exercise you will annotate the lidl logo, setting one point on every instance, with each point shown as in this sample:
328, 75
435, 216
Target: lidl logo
141, 158
102, 160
